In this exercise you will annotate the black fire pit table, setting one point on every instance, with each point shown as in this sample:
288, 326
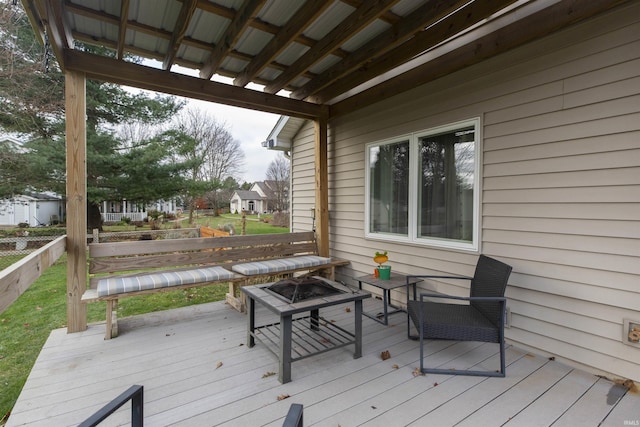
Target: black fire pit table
293, 339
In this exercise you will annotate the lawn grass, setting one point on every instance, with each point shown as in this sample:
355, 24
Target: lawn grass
254, 224
27, 323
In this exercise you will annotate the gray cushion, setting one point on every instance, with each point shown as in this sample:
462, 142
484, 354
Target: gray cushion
277, 265
165, 279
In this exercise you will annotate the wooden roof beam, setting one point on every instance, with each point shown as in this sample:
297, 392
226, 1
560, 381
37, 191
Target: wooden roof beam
238, 24
360, 18
143, 77
538, 24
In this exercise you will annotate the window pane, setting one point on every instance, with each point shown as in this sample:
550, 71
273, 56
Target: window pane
447, 162
389, 188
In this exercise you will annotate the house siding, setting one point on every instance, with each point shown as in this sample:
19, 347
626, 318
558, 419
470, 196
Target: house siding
560, 185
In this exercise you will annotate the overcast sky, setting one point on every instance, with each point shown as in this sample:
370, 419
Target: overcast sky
249, 127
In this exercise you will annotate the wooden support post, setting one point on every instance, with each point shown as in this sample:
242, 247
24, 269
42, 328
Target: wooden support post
76, 144
322, 187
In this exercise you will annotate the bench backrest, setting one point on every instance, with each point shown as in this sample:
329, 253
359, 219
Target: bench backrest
177, 253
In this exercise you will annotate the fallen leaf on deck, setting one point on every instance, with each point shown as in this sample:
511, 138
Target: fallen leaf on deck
417, 372
268, 374
385, 355
396, 367
283, 397
347, 309
218, 365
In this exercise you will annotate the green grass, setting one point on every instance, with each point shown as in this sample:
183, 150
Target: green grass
254, 224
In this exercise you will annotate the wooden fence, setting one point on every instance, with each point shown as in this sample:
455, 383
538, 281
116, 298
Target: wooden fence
17, 278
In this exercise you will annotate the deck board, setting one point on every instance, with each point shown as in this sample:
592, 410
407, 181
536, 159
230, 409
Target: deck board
197, 371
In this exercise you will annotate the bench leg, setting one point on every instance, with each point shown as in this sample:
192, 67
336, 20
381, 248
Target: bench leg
237, 302
112, 319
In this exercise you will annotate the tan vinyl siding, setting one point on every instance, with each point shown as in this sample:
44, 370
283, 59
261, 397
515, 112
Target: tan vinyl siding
560, 171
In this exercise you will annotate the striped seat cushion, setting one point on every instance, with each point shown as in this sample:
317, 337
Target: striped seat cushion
277, 265
164, 279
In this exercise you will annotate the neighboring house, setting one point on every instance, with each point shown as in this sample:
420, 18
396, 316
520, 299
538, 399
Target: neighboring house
262, 197
29, 208
114, 211
532, 157
246, 200
35, 209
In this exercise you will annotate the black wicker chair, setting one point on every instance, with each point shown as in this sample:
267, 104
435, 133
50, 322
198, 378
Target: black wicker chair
481, 319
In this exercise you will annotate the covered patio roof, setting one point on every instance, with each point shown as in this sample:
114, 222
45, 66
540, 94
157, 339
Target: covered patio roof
298, 58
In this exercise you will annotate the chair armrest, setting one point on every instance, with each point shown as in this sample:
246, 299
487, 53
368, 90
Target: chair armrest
453, 297
408, 280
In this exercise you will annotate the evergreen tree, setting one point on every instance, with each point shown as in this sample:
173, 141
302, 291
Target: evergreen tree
31, 105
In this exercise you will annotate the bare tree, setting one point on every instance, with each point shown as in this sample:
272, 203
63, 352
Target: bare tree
221, 154
214, 154
278, 173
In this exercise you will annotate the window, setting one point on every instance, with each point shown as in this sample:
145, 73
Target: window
423, 188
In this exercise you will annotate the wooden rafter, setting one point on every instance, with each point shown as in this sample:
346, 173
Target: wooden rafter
360, 18
419, 19
182, 23
467, 16
238, 24
277, 44
122, 28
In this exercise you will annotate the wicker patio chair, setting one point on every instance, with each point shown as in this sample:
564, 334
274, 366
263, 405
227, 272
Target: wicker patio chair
480, 318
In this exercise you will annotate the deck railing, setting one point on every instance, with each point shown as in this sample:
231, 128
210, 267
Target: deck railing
17, 278
294, 416
135, 393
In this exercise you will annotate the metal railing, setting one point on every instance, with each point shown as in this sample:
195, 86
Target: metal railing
135, 394
294, 416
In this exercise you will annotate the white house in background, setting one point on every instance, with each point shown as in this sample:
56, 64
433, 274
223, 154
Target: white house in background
259, 199
35, 209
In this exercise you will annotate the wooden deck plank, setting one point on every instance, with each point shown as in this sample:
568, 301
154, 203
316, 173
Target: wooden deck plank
197, 370
555, 401
367, 401
437, 404
625, 412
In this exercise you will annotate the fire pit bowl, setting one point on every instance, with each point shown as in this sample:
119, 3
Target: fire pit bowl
298, 289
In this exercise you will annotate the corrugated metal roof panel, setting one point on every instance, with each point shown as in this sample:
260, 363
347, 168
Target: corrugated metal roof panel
365, 35
328, 20
279, 12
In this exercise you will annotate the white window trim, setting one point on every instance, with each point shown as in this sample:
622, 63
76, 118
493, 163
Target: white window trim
414, 161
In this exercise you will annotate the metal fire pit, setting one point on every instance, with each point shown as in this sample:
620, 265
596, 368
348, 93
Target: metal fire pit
298, 289
295, 338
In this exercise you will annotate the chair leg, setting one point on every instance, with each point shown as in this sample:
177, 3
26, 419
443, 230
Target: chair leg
500, 374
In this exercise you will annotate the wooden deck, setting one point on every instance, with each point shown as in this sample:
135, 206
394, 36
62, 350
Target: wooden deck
197, 371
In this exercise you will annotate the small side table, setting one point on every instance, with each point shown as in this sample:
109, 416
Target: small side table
395, 281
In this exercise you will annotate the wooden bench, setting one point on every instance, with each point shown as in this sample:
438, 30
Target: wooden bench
122, 269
